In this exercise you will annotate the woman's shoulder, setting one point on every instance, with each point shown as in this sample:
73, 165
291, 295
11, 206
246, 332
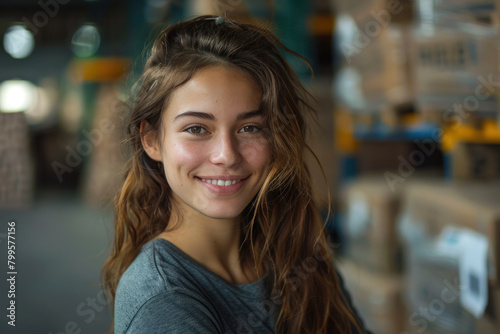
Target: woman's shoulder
143, 280
140, 281
152, 283
139, 284
142, 273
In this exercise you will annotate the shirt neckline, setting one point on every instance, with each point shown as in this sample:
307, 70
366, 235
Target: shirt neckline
245, 288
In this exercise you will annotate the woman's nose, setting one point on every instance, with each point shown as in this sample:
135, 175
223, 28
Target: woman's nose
226, 150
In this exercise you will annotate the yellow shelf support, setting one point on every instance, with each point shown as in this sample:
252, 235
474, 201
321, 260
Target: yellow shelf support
489, 133
344, 132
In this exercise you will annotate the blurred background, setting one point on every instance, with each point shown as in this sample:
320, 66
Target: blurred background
407, 134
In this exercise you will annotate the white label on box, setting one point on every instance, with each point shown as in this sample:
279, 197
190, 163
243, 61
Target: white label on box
358, 216
473, 273
451, 243
471, 250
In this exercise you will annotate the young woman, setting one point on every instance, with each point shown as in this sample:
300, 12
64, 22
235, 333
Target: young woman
216, 230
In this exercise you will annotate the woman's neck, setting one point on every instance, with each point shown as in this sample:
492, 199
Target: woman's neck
213, 243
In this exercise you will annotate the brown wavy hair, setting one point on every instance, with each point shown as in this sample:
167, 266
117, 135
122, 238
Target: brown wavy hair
281, 228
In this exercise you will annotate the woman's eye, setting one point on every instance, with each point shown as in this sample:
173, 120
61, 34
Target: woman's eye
196, 130
250, 128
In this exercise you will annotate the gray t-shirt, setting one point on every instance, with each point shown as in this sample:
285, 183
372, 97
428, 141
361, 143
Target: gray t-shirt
165, 291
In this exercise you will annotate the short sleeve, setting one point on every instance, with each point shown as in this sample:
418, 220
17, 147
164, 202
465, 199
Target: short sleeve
174, 312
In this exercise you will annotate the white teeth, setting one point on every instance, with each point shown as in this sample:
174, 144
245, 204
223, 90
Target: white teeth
224, 183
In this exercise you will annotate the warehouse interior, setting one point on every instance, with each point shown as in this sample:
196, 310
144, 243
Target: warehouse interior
407, 133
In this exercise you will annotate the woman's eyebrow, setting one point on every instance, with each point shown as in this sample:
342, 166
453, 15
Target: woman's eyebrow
249, 114
208, 116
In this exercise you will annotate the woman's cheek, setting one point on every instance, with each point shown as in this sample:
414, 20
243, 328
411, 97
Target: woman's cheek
185, 153
256, 153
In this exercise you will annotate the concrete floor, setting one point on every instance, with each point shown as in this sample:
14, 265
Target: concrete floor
61, 244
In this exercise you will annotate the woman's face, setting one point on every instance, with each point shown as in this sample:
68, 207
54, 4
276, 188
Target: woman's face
213, 146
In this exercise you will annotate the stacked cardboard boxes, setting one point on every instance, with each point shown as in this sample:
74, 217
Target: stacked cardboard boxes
16, 172
475, 161
456, 71
456, 55
436, 272
458, 12
103, 173
377, 298
396, 11
373, 252
369, 224
452, 71
376, 46
471, 205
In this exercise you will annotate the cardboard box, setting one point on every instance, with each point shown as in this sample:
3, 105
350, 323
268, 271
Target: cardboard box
397, 68
103, 173
475, 161
471, 205
377, 298
457, 12
384, 64
456, 71
490, 322
375, 41
17, 177
384, 11
370, 211
432, 295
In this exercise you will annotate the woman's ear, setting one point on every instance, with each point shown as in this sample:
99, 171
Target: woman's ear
149, 142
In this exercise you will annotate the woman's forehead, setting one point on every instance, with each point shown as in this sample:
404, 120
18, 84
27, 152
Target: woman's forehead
217, 91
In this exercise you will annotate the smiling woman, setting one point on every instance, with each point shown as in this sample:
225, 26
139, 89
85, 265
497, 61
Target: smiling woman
216, 213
